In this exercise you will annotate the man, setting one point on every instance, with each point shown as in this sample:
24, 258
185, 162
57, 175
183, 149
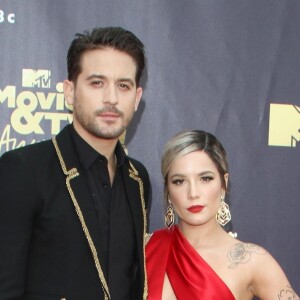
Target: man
73, 209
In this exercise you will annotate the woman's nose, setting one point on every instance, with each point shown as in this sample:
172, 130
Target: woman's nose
193, 191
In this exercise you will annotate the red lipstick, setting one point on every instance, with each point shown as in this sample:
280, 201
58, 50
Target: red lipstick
195, 208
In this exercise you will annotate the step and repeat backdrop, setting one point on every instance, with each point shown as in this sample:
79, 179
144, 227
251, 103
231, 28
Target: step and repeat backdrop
229, 67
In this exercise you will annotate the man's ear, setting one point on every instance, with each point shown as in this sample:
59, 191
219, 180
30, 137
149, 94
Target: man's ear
69, 91
139, 93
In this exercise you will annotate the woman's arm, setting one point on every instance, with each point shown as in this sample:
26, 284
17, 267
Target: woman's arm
270, 282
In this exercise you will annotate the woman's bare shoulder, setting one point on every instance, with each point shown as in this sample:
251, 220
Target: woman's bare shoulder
242, 253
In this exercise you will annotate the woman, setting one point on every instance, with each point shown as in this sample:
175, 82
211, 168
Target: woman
198, 259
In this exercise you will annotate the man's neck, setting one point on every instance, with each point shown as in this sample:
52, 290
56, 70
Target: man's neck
105, 147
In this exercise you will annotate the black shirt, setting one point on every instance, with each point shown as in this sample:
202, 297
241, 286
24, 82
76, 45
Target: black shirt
117, 241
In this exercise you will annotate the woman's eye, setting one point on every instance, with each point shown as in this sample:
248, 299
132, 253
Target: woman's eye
207, 178
177, 181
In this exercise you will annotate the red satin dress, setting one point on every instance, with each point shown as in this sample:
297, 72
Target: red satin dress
191, 277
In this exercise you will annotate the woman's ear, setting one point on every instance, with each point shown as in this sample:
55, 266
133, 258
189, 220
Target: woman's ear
226, 175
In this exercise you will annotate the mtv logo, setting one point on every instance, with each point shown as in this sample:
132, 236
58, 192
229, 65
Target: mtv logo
36, 78
284, 125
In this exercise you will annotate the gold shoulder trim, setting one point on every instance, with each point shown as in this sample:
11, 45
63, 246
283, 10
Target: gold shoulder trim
70, 175
133, 173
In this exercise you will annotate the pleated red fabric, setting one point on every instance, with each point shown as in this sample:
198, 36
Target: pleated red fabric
191, 277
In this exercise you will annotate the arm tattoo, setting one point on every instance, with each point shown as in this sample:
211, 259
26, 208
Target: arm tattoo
287, 294
242, 253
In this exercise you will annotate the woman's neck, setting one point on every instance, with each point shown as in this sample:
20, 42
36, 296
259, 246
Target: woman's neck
204, 236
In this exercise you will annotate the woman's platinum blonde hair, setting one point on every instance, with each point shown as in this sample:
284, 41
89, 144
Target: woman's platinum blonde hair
190, 141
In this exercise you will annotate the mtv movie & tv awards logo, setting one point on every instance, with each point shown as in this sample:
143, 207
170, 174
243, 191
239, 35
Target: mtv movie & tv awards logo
32, 111
284, 125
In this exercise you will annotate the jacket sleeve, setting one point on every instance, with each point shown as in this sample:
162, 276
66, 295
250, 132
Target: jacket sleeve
17, 205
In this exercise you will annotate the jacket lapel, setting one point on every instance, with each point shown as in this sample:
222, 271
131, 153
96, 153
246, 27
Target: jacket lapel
80, 196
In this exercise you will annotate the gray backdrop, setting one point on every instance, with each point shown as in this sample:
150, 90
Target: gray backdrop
231, 67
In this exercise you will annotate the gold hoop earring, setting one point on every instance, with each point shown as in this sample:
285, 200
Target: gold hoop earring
169, 216
223, 215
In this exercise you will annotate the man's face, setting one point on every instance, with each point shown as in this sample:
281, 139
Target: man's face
105, 95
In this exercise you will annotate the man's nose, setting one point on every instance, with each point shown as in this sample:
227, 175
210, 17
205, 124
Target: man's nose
110, 95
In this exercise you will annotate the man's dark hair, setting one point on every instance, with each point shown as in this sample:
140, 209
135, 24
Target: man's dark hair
106, 37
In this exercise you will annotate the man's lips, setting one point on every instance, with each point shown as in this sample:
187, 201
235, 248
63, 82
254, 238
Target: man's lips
195, 208
109, 115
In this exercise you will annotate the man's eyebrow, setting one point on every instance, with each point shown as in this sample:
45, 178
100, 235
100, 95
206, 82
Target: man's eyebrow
96, 76
129, 80
122, 79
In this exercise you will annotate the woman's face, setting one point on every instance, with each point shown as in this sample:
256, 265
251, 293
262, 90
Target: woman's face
195, 188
